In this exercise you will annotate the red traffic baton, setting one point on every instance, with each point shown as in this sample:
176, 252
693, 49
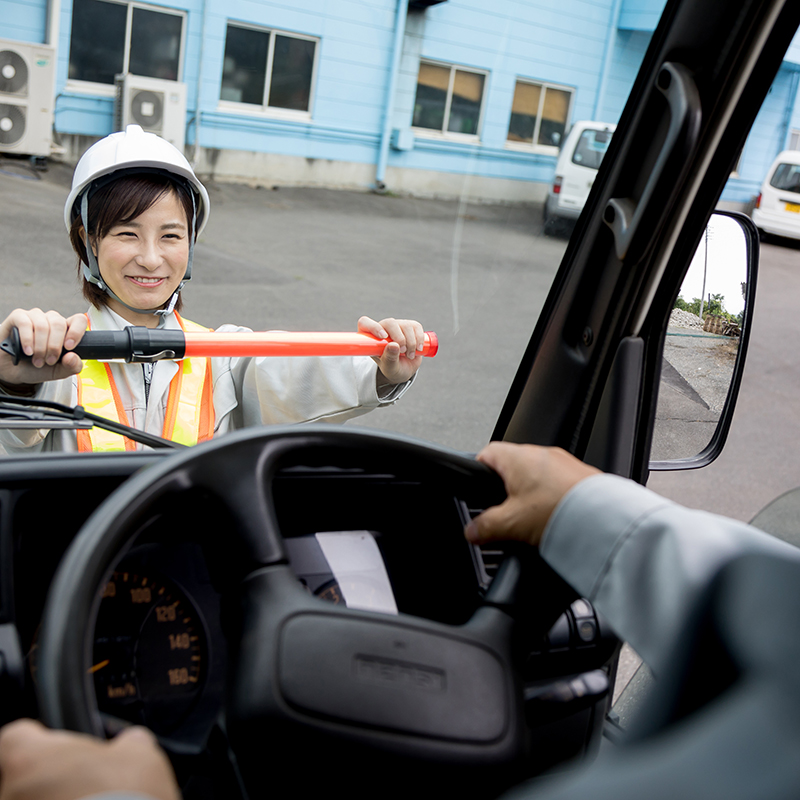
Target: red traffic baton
284, 343
140, 344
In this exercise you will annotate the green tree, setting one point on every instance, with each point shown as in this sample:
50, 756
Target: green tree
713, 306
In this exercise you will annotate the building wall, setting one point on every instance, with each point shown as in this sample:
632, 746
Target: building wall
338, 143
537, 41
769, 135
629, 49
89, 113
641, 15
23, 20
351, 85
349, 95
534, 40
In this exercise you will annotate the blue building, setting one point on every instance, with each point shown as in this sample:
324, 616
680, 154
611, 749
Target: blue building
434, 97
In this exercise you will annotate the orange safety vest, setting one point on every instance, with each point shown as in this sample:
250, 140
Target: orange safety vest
189, 417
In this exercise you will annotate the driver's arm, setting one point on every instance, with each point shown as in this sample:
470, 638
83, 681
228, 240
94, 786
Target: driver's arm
643, 561
40, 764
711, 605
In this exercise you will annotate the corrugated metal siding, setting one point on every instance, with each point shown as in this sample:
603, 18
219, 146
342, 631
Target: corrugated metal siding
23, 20
530, 39
641, 15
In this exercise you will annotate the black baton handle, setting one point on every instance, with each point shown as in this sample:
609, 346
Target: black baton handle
131, 344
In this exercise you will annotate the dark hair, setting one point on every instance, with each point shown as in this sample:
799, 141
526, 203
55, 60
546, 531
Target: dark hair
120, 201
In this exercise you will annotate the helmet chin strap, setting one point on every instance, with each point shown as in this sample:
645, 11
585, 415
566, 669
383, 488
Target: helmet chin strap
91, 272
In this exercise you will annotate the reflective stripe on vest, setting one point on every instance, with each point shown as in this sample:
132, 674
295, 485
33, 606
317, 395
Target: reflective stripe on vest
189, 416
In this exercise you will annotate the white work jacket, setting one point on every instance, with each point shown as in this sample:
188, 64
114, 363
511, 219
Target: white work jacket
247, 392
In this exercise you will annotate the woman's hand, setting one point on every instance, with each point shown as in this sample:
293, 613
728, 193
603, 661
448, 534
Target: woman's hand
536, 479
402, 356
43, 335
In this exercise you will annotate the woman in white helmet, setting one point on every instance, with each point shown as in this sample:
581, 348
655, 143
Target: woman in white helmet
133, 215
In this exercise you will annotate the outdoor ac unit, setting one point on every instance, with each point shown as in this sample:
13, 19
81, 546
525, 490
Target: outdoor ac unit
27, 72
158, 106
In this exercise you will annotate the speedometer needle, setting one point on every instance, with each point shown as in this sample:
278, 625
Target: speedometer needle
99, 666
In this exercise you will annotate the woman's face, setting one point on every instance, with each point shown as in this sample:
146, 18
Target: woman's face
143, 261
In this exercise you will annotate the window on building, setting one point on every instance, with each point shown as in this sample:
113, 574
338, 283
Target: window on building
268, 68
539, 113
449, 99
794, 140
111, 37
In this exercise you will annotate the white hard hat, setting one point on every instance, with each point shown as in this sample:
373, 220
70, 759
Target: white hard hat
131, 150
127, 150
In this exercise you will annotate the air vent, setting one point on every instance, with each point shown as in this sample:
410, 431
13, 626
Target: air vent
147, 109
12, 124
13, 73
491, 559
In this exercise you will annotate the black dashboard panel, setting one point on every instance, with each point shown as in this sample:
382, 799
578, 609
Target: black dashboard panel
159, 654
181, 555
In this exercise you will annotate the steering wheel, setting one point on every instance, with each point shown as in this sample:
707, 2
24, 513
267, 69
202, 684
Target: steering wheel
339, 683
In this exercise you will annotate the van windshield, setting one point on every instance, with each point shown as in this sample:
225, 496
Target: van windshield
786, 178
591, 148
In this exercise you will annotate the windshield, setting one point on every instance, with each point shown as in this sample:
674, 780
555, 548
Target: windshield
456, 236
786, 178
591, 148
396, 166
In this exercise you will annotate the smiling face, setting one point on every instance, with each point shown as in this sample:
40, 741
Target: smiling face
144, 260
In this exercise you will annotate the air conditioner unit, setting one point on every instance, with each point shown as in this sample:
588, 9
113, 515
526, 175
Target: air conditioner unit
27, 73
157, 105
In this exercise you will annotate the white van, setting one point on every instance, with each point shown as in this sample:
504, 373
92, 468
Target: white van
576, 169
777, 209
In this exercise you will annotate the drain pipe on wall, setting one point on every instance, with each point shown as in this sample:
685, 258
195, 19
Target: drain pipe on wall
611, 42
794, 82
386, 134
197, 112
53, 22
51, 35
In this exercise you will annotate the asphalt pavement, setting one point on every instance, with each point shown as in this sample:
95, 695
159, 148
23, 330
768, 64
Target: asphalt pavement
311, 259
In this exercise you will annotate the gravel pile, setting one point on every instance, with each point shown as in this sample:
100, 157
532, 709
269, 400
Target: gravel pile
684, 319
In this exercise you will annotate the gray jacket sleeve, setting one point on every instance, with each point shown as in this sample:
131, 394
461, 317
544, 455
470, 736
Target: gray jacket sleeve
642, 560
712, 606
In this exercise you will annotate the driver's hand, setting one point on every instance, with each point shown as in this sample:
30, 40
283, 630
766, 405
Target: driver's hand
402, 356
39, 764
42, 335
536, 479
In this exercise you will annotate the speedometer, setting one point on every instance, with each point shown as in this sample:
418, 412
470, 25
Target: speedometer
149, 651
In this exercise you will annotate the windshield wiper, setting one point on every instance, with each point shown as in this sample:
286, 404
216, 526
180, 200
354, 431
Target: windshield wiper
27, 412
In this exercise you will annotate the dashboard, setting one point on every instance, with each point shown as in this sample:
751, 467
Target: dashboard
362, 538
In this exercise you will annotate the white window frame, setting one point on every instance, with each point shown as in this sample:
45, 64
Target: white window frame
534, 146
108, 89
794, 139
444, 134
266, 110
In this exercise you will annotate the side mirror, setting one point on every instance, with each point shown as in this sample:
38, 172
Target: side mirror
705, 346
